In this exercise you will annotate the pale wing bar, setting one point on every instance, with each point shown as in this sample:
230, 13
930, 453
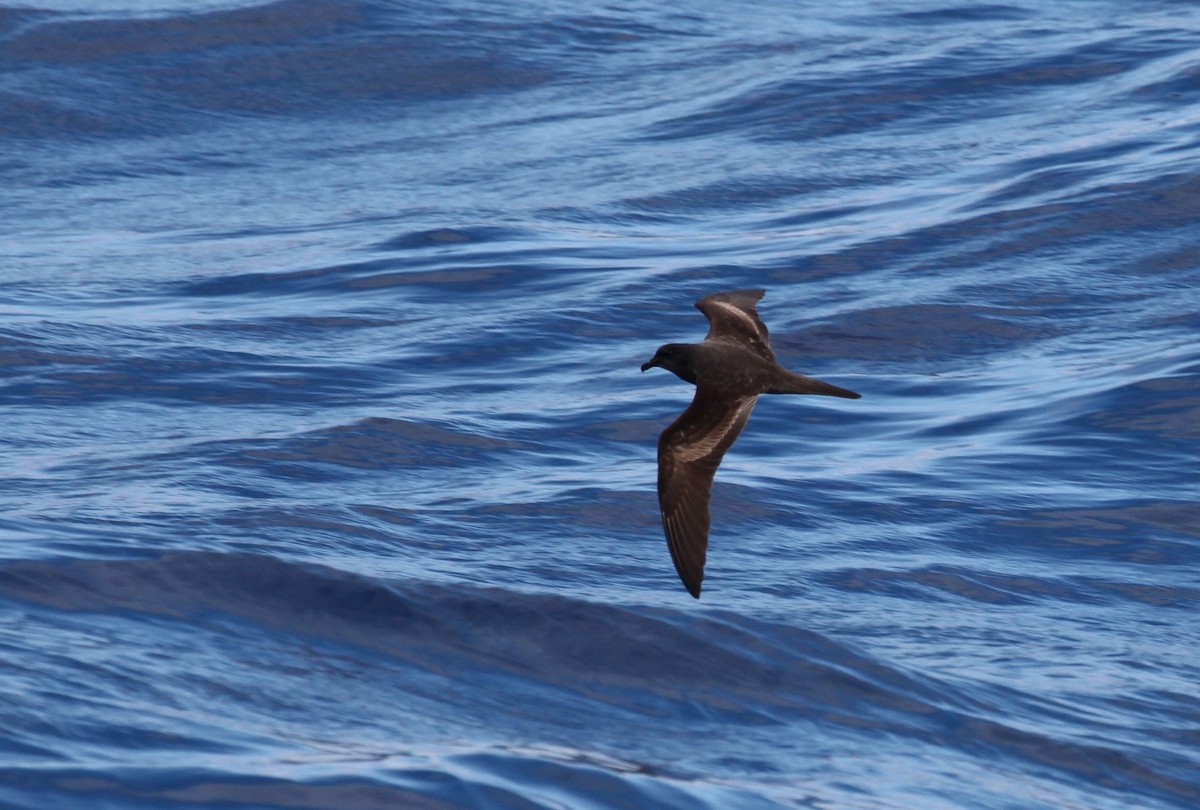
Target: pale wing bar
733, 315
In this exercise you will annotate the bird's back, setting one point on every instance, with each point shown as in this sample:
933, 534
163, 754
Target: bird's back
733, 369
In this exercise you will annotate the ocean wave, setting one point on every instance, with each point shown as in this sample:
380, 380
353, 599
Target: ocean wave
582, 658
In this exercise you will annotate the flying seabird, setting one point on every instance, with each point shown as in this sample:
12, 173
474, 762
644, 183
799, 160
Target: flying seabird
730, 369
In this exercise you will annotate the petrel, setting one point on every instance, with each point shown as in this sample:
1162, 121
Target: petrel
730, 369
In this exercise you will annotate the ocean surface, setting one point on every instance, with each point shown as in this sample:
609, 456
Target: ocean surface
327, 472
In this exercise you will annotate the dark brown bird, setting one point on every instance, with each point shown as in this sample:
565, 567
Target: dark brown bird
730, 369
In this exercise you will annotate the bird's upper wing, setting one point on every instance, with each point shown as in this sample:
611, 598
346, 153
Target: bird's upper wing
688, 454
731, 314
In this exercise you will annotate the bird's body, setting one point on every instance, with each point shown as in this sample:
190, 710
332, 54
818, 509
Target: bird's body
730, 369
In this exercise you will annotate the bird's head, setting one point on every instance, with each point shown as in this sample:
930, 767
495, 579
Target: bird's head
678, 358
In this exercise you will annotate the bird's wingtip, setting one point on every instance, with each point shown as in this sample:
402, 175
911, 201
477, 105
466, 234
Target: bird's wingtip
746, 297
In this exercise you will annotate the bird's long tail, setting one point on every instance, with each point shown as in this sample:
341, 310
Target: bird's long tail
790, 383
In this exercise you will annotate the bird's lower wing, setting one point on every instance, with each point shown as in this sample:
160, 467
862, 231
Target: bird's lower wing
689, 452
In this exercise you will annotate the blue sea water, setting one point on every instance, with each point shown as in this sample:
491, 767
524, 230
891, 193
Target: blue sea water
327, 472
